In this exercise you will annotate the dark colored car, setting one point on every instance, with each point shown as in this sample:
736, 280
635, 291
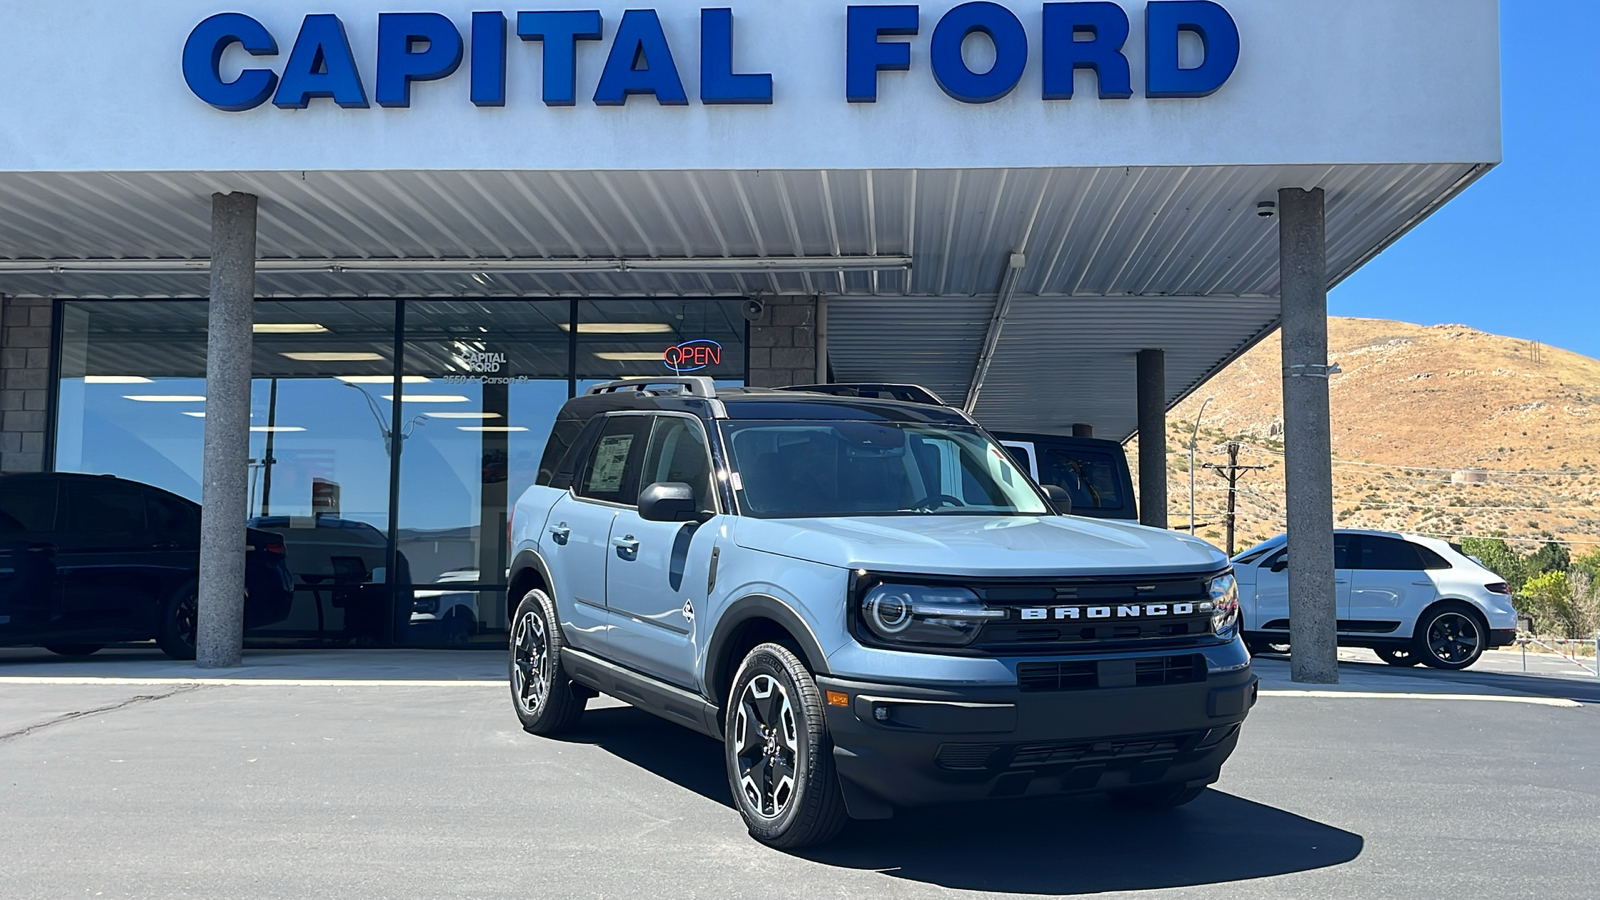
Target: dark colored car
1092, 471
87, 560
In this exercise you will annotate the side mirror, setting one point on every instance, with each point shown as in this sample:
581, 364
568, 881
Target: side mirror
1059, 498
670, 501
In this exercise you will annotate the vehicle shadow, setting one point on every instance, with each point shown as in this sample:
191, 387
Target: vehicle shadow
1063, 846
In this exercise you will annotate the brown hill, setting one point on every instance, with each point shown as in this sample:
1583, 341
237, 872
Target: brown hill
1443, 430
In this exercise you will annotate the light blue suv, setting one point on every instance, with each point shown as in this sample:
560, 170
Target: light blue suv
868, 602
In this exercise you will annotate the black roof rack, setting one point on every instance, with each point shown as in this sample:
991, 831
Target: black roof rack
678, 385
906, 393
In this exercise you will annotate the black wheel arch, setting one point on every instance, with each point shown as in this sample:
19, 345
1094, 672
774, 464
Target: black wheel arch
528, 571
751, 620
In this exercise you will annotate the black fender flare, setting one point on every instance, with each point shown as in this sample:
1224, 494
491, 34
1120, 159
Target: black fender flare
527, 560
760, 606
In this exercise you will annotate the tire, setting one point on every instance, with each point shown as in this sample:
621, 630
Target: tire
1158, 796
1258, 646
1395, 657
180, 619
73, 649
778, 752
1452, 636
541, 693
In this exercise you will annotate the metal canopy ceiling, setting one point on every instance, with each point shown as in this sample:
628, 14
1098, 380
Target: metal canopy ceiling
1109, 252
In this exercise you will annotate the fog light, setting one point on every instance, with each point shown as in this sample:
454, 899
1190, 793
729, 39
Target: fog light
881, 713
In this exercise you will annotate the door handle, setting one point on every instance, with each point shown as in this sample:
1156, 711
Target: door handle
560, 533
1341, 581
1423, 583
627, 548
164, 545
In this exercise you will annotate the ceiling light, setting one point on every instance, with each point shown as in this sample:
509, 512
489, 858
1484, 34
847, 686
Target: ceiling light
332, 356
462, 415
165, 398
499, 429
275, 428
383, 379
618, 327
197, 415
288, 328
428, 398
630, 356
116, 379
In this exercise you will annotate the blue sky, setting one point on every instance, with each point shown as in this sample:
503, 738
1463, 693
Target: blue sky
1519, 253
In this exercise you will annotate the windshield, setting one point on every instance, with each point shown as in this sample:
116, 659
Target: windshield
790, 469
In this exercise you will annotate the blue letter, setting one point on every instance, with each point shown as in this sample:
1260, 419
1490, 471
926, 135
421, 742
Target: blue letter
202, 62
1217, 31
1010, 52
640, 63
718, 84
560, 32
866, 56
1107, 26
489, 58
399, 60
321, 65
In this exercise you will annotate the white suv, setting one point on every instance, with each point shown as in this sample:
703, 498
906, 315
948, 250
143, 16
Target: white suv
1409, 598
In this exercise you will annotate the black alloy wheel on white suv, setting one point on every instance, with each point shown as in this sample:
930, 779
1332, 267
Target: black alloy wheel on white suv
1452, 636
779, 755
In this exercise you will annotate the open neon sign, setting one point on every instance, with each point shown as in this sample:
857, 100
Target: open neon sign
692, 356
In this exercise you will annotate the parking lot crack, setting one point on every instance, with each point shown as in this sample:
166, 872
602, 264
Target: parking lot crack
75, 715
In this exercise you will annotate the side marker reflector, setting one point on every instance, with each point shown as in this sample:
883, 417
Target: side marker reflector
838, 698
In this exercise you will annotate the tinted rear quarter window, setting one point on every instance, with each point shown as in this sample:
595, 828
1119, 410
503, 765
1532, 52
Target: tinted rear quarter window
611, 471
172, 519
1388, 554
104, 508
27, 506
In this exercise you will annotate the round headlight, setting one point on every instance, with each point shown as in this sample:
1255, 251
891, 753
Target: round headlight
888, 612
1224, 591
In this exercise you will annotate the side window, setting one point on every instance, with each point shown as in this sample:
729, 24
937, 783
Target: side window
678, 452
574, 456
171, 519
611, 472
27, 506
1388, 554
1093, 479
104, 508
1343, 557
1432, 560
1282, 556
1021, 455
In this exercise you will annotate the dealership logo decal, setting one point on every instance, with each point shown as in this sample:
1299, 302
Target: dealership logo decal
417, 47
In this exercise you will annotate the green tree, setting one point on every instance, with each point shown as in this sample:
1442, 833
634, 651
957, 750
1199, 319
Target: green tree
1552, 557
1547, 597
1499, 558
1589, 564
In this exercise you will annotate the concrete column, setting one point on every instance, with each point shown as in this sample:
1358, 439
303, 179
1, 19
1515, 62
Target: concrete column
1308, 453
225, 465
1152, 403
1082, 430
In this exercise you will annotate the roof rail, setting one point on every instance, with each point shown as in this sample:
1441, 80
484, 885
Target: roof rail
692, 385
906, 393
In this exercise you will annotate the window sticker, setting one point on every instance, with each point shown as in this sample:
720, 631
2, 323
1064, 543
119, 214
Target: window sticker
610, 461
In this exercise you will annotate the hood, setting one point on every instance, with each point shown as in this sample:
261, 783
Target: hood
989, 546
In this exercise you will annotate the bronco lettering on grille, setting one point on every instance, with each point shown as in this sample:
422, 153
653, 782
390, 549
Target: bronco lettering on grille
1135, 611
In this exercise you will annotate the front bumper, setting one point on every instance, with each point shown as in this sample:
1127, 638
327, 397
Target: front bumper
930, 746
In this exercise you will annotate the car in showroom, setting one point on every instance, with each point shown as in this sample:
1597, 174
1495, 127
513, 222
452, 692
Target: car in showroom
90, 560
869, 603
1410, 599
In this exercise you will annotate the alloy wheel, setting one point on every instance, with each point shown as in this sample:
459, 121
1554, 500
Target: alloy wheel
530, 670
187, 614
1454, 638
767, 751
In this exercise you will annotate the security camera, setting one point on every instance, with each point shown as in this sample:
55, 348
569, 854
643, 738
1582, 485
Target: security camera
1266, 209
753, 309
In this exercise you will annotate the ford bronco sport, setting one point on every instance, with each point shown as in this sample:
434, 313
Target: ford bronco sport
868, 602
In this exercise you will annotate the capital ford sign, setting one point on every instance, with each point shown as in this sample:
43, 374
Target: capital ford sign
418, 47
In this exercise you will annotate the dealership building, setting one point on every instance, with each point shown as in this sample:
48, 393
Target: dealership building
1060, 215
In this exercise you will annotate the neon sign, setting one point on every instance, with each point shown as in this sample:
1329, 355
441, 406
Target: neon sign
692, 356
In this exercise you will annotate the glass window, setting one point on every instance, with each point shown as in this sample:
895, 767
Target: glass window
678, 453
1432, 560
1093, 479
104, 507
849, 468
611, 472
1342, 556
1388, 553
628, 338
171, 518
27, 506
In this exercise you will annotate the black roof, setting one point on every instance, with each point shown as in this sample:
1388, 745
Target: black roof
699, 398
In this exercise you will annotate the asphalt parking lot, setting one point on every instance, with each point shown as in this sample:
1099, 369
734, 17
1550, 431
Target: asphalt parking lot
391, 774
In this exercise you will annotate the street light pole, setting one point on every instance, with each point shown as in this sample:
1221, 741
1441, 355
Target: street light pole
1194, 437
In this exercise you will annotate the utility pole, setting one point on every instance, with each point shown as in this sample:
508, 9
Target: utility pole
1231, 471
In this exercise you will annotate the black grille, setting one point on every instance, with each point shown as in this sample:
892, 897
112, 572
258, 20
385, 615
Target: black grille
1083, 675
1067, 614
1030, 755
965, 756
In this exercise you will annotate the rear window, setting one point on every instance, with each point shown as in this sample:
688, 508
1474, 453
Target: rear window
27, 506
1093, 479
